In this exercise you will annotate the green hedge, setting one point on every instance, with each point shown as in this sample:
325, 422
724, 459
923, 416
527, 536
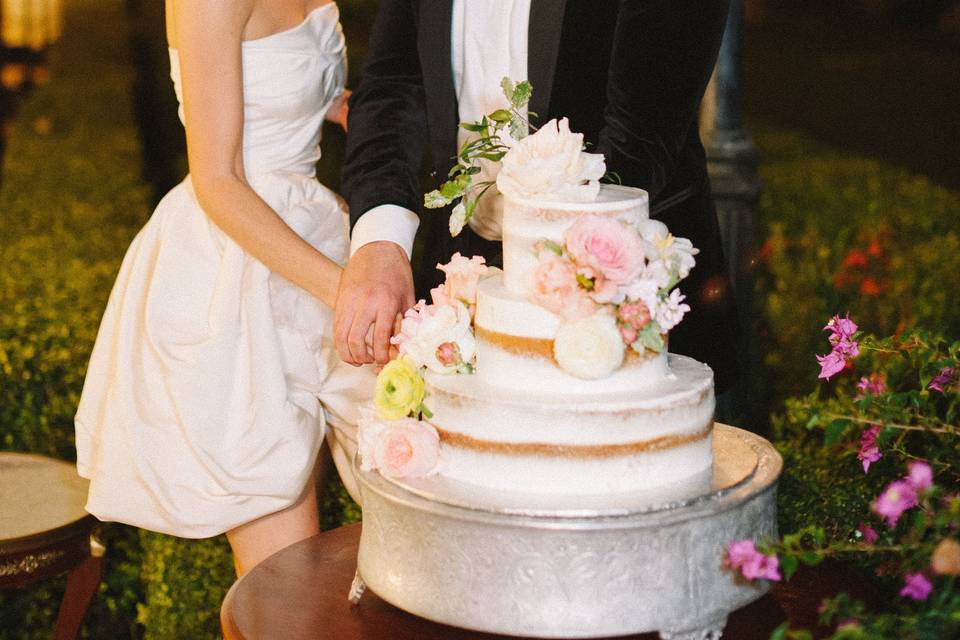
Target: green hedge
842, 233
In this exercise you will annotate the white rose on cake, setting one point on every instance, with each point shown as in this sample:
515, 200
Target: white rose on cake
551, 164
589, 348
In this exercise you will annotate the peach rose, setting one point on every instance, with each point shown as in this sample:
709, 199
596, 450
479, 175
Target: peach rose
555, 288
609, 246
407, 448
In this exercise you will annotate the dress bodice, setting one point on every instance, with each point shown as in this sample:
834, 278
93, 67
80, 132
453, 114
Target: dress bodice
290, 79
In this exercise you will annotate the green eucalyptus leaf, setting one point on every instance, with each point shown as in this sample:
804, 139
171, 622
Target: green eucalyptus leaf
789, 565
834, 431
435, 200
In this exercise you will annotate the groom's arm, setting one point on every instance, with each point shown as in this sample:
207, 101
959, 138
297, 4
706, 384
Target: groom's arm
387, 130
663, 55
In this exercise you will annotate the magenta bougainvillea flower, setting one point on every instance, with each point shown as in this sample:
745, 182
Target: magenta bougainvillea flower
899, 496
944, 380
869, 449
874, 384
869, 534
743, 556
920, 476
916, 586
845, 347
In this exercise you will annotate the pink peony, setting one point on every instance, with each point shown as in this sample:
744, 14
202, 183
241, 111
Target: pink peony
555, 287
407, 448
869, 449
743, 556
920, 475
869, 534
916, 586
898, 497
463, 276
614, 249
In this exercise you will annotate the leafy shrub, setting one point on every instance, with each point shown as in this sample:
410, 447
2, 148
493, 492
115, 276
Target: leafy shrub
841, 232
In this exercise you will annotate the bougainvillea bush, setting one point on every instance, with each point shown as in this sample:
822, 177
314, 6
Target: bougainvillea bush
839, 232
888, 419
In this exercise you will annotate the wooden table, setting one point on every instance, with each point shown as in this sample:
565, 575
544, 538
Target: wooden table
300, 593
45, 531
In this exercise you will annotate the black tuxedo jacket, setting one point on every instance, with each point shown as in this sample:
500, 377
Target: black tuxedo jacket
629, 74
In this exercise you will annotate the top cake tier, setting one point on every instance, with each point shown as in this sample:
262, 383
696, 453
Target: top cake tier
529, 221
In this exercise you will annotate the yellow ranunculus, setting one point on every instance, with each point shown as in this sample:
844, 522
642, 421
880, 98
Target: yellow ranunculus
400, 390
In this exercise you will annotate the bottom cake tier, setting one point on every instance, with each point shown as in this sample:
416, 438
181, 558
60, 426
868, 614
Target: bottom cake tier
624, 441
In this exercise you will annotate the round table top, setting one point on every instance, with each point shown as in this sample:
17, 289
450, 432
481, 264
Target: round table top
38, 495
300, 593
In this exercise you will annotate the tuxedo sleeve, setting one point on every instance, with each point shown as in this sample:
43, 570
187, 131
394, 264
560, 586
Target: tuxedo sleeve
387, 119
663, 55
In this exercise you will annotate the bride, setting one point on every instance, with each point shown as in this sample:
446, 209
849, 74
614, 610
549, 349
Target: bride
214, 376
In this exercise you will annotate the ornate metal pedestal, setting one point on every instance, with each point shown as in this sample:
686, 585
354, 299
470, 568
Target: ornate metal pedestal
593, 568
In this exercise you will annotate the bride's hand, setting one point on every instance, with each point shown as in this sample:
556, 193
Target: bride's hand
340, 109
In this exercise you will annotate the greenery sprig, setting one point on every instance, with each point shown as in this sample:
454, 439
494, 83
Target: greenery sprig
486, 146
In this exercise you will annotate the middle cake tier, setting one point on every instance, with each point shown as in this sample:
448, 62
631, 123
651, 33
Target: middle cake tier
629, 440
515, 349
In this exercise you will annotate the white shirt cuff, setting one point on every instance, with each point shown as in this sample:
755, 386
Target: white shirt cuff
385, 222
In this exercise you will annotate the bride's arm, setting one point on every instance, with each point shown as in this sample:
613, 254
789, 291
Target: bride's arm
209, 34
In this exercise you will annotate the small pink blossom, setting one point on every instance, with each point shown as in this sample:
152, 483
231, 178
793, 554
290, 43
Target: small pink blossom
869, 449
944, 380
916, 586
614, 249
407, 448
631, 317
920, 475
743, 556
874, 384
869, 534
555, 287
463, 276
440, 297
831, 364
448, 353
898, 497
410, 324
845, 348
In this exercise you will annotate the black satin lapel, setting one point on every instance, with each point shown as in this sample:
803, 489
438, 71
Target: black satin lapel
543, 43
433, 35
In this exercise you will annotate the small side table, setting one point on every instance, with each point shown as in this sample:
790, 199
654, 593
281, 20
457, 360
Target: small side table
45, 531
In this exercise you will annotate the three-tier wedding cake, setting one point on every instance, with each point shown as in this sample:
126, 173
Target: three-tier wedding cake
551, 376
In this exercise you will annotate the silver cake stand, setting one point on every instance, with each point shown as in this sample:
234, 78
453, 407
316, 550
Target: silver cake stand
536, 566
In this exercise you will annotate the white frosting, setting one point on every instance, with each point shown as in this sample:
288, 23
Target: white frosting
504, 312
679, 404
528, 221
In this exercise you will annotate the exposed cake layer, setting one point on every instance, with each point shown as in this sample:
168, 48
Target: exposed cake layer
515, 349
526, 222
629, 440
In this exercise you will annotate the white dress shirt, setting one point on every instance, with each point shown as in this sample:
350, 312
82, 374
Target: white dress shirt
494, 46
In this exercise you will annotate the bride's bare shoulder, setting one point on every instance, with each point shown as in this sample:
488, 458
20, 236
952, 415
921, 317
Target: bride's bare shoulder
203, 15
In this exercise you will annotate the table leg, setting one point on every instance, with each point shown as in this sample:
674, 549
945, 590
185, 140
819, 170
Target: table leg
82, 583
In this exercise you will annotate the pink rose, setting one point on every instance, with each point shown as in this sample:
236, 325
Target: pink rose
555, 287
463, 276
609, 246
410, 324
407, 448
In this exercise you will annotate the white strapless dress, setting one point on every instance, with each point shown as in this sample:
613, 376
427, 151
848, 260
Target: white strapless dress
213, 380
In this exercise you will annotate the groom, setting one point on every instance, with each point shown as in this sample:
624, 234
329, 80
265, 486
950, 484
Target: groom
629, 74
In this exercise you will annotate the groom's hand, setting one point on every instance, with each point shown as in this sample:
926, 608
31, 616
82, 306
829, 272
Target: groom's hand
376, 285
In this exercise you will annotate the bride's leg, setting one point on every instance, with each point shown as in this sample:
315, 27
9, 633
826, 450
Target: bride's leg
254, 541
